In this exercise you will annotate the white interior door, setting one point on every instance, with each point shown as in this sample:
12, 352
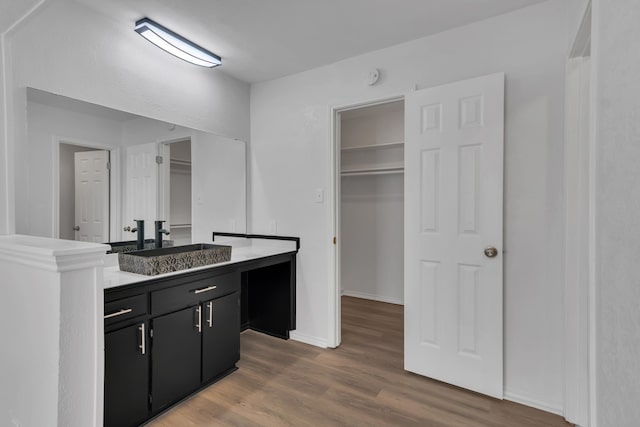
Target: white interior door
91, 196
141, 188
453, 213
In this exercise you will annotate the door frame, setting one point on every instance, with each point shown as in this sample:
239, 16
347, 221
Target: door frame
335, 285
579, 298
164, 180
114, 183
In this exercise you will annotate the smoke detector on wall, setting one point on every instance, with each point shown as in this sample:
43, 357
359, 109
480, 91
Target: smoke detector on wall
372, 77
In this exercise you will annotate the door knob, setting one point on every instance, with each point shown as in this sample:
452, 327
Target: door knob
76, 228
491, 252
127, 228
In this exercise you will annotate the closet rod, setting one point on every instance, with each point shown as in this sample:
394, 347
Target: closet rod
378, 171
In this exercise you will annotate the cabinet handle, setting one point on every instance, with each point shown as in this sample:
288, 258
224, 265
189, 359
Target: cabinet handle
199, 324
199, 291
143, 345
210, 321
118, 313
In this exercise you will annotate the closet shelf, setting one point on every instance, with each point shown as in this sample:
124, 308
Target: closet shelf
372, 171
374, 146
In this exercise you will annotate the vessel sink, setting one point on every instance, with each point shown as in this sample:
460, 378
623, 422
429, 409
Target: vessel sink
165, 260
132, 245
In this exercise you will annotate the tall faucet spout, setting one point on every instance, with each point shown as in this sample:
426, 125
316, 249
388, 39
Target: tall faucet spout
140, 230
159, 232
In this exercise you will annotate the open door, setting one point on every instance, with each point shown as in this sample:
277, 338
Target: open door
91, 196
453, 233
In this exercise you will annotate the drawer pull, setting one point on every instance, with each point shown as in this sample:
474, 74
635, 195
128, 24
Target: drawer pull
118, 313
199, 291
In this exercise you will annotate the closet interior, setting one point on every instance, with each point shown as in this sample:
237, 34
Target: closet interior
372, 202
180, 192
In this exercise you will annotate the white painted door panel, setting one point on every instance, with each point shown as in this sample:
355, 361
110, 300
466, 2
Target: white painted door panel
453, 211
141, 188
92, 196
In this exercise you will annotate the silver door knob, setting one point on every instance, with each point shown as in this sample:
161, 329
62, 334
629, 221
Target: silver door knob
76, 228
491, 252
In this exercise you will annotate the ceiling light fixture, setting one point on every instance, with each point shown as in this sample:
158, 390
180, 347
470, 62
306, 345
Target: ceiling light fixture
175, 44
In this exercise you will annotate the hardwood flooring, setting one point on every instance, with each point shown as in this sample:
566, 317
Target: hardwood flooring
361, 383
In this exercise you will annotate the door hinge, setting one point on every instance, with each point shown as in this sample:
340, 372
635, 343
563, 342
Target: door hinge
150, 333
108, 166
159, 160
334, 240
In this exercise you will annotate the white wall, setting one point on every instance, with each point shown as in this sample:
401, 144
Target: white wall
28, 367
35, 176
5, 218
372, 238
290, 158
218, 192
616, 62
68, 49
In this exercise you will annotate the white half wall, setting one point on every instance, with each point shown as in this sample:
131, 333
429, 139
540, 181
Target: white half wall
616, 66
290, 158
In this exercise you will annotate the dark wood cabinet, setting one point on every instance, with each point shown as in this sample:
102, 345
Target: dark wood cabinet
175, 363
220, 336
168, 337
126, 391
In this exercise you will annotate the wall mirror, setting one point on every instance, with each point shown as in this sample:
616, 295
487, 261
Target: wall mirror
89, 171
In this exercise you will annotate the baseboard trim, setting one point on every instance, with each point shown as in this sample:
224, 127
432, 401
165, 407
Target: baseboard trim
308, 339
534, 403
379, 298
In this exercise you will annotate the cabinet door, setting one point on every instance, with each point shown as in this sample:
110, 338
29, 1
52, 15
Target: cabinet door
126, 376
175, 365
220, 335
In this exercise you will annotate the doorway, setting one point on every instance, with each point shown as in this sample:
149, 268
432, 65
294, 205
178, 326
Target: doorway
453, 190
84, 193
176, 190
369, 207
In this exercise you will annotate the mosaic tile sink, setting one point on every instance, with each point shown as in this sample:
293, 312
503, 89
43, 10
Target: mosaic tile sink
159, 261
132, 245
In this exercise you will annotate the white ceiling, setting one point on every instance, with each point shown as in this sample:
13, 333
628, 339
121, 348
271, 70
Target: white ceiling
265, 39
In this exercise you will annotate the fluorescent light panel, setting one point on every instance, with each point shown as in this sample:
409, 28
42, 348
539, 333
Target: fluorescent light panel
175, 44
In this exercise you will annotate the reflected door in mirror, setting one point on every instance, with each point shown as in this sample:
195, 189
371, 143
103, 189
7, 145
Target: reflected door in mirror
92, 196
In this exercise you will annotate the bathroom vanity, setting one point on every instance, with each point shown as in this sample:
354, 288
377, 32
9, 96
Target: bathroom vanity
170, 335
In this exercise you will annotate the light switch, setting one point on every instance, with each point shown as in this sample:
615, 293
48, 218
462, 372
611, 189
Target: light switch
319, 196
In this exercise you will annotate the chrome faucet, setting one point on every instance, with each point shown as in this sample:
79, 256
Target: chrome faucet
159, 232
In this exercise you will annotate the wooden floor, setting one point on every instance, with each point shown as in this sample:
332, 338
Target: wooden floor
361, 383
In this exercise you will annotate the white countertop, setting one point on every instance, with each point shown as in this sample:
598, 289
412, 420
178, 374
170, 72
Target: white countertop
242, 250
